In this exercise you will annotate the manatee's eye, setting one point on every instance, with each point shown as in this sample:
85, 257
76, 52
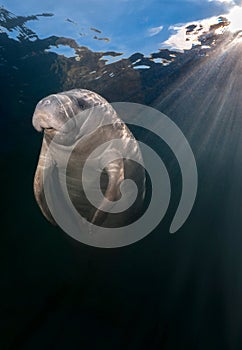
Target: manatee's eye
46, 102
81, 104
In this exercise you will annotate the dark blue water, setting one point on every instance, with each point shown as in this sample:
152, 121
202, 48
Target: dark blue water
179, 291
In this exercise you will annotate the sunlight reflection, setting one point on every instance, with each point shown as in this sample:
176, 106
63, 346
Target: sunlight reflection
185, 36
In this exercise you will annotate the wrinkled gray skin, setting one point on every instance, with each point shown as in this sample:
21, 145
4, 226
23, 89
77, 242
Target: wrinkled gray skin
50, 116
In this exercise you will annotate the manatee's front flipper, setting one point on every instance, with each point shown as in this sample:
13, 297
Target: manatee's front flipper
44, 163
115, 172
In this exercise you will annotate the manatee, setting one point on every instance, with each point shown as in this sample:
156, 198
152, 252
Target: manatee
97, 128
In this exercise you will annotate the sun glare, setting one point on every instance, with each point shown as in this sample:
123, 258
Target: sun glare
182, 39
235, 18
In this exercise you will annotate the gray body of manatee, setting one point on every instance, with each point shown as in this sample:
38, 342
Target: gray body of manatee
68, 142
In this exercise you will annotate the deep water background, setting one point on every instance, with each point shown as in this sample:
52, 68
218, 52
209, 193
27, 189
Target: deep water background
179, 291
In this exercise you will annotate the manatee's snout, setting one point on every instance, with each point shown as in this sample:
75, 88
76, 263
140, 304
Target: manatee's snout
54, 114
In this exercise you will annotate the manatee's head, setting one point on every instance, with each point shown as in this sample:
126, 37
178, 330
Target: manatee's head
56, 114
